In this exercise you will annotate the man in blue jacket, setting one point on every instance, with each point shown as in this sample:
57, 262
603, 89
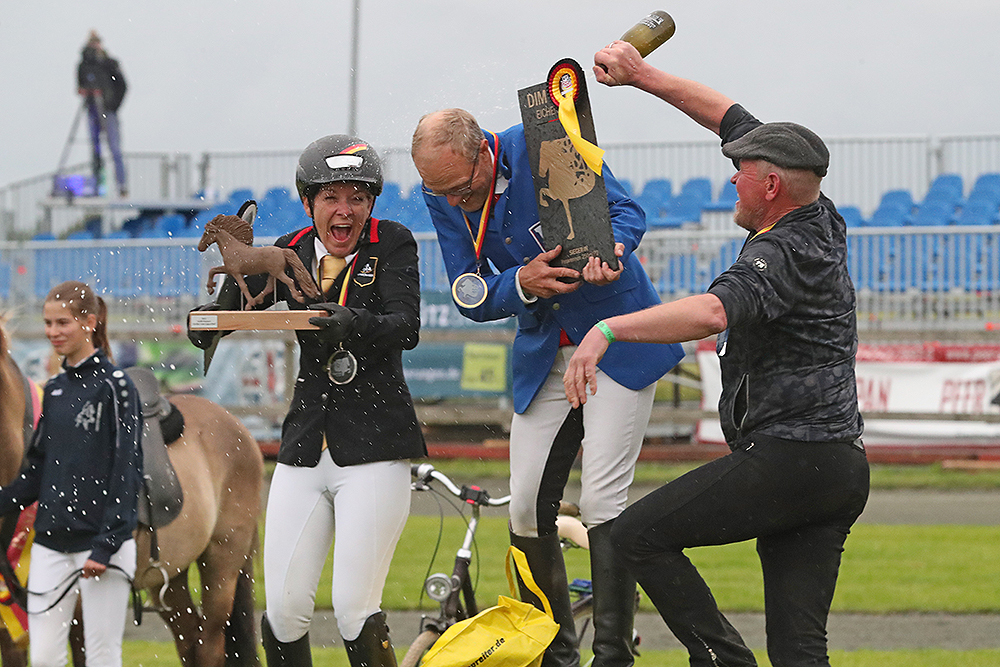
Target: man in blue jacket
478, 187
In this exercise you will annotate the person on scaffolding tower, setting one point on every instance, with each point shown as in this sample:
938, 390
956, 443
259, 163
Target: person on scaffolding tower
102, 85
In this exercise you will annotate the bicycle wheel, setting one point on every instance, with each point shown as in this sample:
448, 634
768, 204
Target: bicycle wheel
419, 647
583, 616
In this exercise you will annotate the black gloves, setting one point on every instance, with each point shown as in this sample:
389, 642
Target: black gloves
202, 338
336, 325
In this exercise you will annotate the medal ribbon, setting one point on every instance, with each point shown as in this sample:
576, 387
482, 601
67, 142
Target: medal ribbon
479, 236
766, 229
342, 300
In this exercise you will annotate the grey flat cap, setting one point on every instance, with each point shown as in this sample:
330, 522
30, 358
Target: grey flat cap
787, 145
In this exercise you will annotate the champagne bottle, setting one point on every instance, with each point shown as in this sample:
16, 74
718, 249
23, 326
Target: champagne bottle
650, 32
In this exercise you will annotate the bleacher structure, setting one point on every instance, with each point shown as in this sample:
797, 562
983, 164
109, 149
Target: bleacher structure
924, 265
929, 263
923, 216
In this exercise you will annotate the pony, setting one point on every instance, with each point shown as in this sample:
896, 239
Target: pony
220, 469
233, 234
14, 407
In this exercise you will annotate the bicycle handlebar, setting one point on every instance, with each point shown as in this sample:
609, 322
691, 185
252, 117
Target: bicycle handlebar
424, 473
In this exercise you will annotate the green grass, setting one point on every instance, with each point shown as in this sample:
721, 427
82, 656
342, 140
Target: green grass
884, 476
162, 654
886, 569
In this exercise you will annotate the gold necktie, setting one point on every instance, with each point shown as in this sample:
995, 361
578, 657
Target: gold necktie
330, 267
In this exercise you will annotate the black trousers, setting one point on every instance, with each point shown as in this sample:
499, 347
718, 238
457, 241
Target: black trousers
798, 499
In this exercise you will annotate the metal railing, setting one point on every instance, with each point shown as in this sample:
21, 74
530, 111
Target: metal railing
861, 171
151, 176
908, 279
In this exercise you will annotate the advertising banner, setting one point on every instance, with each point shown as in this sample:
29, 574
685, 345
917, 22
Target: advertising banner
931, 378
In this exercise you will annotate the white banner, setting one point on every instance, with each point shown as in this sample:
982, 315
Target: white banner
930, 378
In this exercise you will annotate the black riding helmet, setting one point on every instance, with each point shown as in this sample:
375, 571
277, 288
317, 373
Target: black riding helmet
335, 158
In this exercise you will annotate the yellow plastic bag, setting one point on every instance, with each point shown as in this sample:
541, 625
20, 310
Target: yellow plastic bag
511, 634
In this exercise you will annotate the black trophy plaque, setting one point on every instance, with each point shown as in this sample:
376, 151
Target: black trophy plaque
572, 200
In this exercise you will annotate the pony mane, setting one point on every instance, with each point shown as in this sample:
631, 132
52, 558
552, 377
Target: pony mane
241, 230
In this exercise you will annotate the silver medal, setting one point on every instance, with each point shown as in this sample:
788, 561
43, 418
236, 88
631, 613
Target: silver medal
342, 366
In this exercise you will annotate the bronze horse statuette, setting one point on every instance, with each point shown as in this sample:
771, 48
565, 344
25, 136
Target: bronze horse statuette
234, 236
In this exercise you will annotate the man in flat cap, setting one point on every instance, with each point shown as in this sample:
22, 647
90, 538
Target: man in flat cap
784, 315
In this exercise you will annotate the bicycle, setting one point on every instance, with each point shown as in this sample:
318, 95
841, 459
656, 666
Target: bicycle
456, 593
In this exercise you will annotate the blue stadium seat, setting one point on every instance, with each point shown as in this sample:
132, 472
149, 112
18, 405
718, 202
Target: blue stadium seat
986, 189
81, 235
391, 189
240, 195
209, 213
655, 196
902, 199
389, 204
414, 214
685, 207
851, 215
172, 225
43, 236
154, 233
978, 212
888, 217
274, 222
698, 188
280, 196
421, 221
895, 209
299, 219
727, 198
652, 205
934, 212
945, 188
416, 193
660, 188
277, 203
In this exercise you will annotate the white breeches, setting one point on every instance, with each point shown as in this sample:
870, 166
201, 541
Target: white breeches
104, 600
368, 503
614, 424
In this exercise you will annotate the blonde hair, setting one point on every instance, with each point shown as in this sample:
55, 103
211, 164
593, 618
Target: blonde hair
81, 300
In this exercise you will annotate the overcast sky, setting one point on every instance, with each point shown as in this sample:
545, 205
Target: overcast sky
233, 75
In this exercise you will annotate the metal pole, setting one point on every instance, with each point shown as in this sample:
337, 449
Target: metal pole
352, 112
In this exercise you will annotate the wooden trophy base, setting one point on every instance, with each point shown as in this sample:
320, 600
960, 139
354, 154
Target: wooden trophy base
252, 320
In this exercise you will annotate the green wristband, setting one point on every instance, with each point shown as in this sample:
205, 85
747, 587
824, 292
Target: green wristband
606, 330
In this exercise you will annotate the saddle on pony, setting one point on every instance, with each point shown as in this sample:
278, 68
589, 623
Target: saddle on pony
161, 497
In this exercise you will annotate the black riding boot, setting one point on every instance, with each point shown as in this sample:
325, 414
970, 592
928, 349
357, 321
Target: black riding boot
372, 648
614, 601
280, 654
545, 559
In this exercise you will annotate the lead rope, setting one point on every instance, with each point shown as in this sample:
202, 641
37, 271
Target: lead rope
70, 580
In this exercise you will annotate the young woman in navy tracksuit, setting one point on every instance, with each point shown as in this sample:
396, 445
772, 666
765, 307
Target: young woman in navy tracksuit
84, 467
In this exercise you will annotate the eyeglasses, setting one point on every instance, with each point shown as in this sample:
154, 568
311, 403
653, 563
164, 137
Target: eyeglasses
462, 192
